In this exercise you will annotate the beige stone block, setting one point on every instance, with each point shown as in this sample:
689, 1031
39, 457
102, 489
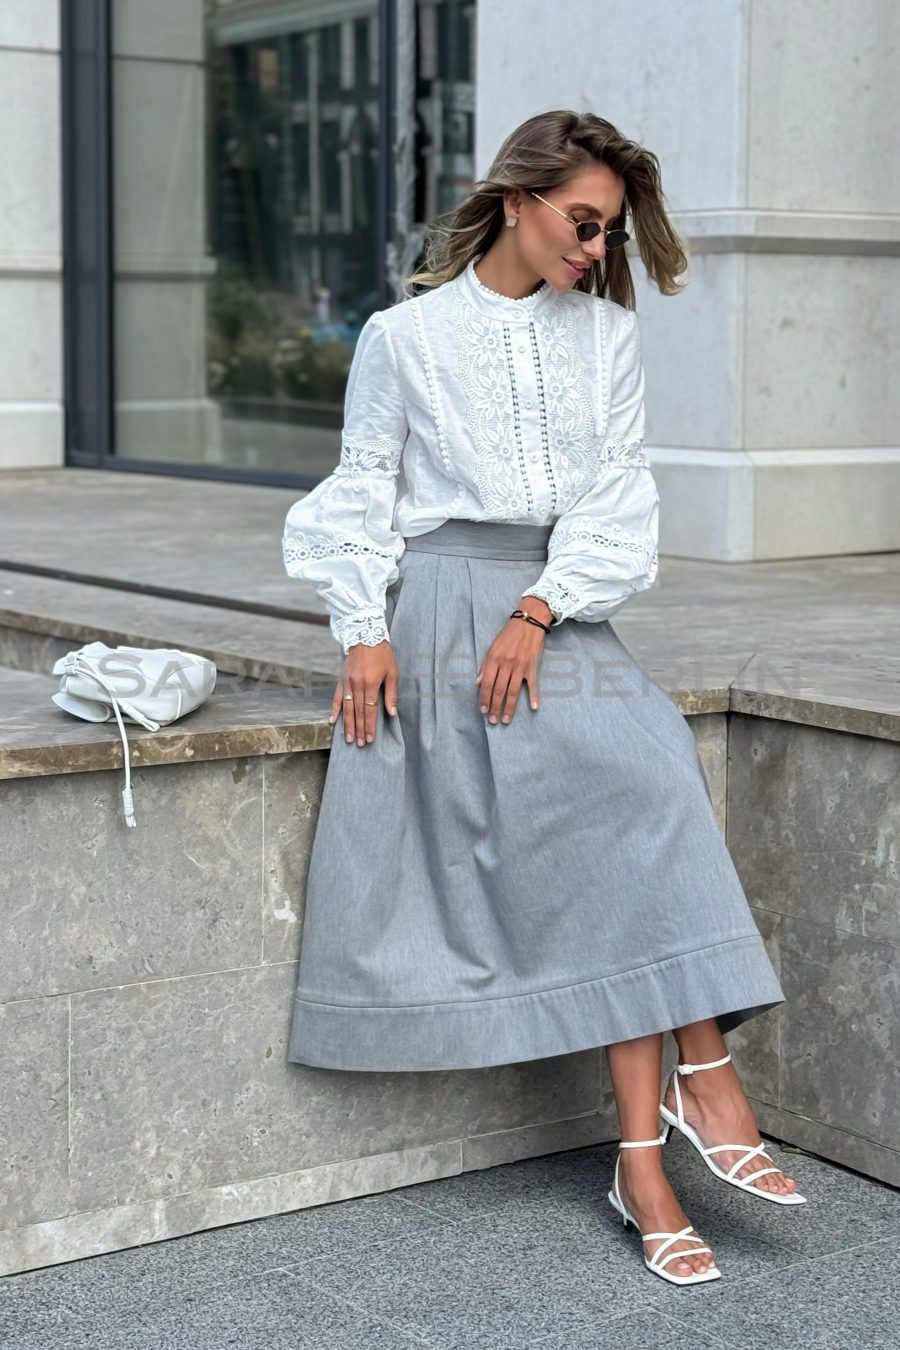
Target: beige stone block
292, 787
34, 1111
94, 903
815, 823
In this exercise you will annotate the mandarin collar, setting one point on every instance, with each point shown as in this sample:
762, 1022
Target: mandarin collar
503, 307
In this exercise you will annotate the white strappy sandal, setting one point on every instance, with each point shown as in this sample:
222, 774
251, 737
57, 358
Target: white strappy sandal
745, 1183
659, 1260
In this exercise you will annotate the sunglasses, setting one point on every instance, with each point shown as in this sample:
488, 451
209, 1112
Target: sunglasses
588, 229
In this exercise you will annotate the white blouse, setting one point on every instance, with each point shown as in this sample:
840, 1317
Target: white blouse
464, 403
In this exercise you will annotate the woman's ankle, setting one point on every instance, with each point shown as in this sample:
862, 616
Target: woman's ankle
641, 1162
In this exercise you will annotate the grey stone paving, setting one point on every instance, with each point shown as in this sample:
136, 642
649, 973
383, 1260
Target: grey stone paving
530, 1254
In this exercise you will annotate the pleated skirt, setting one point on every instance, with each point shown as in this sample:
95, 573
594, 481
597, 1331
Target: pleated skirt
485, 893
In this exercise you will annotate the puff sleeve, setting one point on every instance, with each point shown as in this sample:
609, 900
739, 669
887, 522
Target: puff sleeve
604, 547
340, 535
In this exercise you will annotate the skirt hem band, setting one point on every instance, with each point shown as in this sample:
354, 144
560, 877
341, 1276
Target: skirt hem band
486, 1032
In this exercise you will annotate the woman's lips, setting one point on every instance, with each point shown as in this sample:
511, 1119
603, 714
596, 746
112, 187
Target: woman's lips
573, 270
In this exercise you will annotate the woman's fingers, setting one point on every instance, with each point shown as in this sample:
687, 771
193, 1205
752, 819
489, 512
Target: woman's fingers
342, 707
492, 684
512, 697
358, 690
531, 680
370, 707
485, 682
390, 691
336, 702
349, 714
498, 693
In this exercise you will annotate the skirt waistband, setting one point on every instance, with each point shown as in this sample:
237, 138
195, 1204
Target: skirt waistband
484, 539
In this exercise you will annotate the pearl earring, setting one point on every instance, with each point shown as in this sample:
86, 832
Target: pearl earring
512, 220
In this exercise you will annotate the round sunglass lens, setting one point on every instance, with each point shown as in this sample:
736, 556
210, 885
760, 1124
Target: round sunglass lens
588, 229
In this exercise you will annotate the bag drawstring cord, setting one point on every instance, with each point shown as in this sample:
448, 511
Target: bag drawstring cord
83, 667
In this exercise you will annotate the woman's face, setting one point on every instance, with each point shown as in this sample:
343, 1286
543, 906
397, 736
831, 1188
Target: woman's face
546, 240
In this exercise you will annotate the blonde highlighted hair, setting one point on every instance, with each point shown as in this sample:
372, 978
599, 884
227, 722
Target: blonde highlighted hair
543, 153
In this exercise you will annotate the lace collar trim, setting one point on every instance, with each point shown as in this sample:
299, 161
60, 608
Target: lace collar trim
503, 307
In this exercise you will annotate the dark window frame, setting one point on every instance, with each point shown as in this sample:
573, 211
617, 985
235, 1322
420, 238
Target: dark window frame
86, 231
87, 133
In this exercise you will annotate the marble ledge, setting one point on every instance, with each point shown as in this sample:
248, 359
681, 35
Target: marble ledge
861, 699
39, 739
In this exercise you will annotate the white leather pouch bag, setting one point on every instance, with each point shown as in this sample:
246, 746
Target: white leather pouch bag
149, 685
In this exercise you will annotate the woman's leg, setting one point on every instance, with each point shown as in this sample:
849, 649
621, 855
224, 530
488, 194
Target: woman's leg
635, 1067
716, 1106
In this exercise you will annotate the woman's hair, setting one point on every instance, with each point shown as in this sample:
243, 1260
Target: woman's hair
543, 153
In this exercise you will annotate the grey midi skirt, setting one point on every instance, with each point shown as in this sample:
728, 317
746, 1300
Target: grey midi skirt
484, 893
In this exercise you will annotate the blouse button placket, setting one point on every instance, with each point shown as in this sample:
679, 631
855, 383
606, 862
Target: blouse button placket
549, 480
529, 412
520, 431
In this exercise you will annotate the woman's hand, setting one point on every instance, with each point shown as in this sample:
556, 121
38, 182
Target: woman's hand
512, 657
364, 671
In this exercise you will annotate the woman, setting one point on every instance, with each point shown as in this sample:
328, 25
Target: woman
493, 882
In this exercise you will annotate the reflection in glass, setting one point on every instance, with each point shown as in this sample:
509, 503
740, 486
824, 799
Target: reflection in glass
246, 137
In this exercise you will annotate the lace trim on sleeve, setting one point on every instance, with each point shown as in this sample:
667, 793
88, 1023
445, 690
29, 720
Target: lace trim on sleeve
382, 454
625, 452
586, 536
368, 626
300, 547
562, 600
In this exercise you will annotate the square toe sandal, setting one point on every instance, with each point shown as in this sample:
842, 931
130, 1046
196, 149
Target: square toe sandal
676, 1119
660, 1258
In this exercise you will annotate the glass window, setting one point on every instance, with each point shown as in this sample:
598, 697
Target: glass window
246, 216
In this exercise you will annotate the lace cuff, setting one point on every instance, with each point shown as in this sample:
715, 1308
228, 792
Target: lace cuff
366, 626
561, 599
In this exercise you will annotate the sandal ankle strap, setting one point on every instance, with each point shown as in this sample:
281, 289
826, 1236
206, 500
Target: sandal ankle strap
640, 1143
692, 1068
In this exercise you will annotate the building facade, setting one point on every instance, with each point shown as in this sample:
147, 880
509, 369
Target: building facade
206, 198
